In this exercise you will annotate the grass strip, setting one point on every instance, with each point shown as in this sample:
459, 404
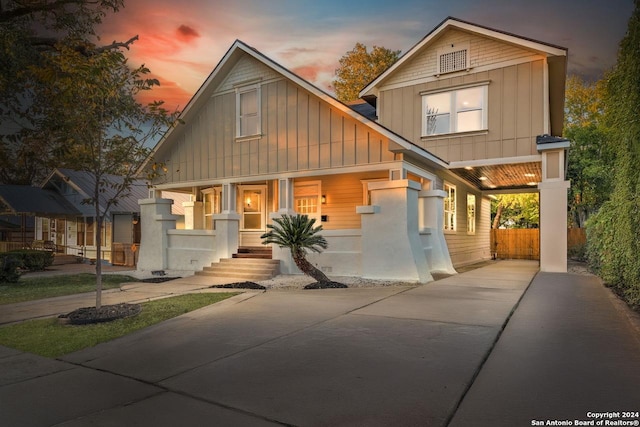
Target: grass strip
48, 287
50, 338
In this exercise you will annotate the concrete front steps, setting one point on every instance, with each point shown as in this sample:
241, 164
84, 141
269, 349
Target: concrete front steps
245, 266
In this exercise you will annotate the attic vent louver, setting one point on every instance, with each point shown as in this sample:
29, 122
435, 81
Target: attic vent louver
454, 58
453, 61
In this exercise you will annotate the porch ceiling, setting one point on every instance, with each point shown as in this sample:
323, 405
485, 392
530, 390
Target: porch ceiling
502, 177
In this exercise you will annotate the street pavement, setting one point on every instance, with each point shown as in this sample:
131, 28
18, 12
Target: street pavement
502, 345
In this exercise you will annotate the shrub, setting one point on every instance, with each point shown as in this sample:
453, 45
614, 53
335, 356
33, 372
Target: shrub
33, 260
9, 268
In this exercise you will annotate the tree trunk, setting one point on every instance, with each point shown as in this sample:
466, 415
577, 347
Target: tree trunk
307, 268
99, 221
496, 219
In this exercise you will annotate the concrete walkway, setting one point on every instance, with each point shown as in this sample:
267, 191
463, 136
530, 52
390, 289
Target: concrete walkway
432, 355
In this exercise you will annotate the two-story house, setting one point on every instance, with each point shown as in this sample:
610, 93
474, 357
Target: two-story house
400, 194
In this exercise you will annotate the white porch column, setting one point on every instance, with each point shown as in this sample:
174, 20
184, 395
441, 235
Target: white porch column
156, 219
431, 210
285, 207
227, 223
193, 215
391, 245
553, 204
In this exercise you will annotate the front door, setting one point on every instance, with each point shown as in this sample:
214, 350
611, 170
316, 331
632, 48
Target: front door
253, 199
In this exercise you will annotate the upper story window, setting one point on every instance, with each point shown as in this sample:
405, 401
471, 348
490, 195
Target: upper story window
461, 110
450, 207
248, 111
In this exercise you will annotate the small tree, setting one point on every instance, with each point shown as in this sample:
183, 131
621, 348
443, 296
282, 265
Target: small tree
104, 130
358, 67
299, 235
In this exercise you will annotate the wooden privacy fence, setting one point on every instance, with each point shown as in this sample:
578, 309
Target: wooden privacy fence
517, 243
576, 237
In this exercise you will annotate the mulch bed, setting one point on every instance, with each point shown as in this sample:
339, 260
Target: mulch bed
240, 285
326, 285
107, 313
158, 279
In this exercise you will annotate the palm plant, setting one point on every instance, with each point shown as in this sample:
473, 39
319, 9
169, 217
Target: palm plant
299, 235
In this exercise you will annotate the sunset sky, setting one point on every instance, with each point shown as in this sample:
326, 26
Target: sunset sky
181, 42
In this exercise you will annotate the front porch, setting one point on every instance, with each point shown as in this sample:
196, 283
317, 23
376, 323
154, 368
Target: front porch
376, 226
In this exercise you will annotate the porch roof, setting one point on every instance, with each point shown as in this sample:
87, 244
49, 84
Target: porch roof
24, 199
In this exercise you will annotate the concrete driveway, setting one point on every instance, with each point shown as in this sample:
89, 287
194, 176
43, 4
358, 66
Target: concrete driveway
396, 356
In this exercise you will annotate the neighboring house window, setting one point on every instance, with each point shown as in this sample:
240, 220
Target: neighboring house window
45, 229
90, 232
461, 110
471, 214
248, 111
450, 207
81, 231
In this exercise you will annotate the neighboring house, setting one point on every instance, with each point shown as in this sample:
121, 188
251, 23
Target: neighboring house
400, 196
76, 233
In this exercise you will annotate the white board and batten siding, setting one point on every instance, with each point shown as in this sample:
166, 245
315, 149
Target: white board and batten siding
299, 132
516, 104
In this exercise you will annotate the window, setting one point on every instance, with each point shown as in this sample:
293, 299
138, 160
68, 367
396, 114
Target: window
212, 201
248, 111
307, 199
81, 231
461, 110
450, 207
471, 214
90, 232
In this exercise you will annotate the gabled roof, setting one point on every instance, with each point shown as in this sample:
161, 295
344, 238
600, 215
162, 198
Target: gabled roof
226, 64
450, 22
24, 199
83, 182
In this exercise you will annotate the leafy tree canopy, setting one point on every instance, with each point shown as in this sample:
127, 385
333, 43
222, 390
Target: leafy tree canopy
358, 67
590, 156
515, 211
30, 33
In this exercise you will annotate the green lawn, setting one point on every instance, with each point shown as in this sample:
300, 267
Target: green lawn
50, 338
47, 287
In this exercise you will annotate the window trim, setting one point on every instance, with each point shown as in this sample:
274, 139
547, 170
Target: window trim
453, 122
239, 92
451, 212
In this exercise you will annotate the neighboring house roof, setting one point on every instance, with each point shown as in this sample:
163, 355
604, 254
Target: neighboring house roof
233, 55
24, 199
364, 108
556, 58
84, 182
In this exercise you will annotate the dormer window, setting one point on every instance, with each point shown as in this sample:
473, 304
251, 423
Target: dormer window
453, 58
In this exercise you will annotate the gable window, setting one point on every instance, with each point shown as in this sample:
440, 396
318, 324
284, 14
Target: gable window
248, 111
450, 207
461, 110
471, 214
